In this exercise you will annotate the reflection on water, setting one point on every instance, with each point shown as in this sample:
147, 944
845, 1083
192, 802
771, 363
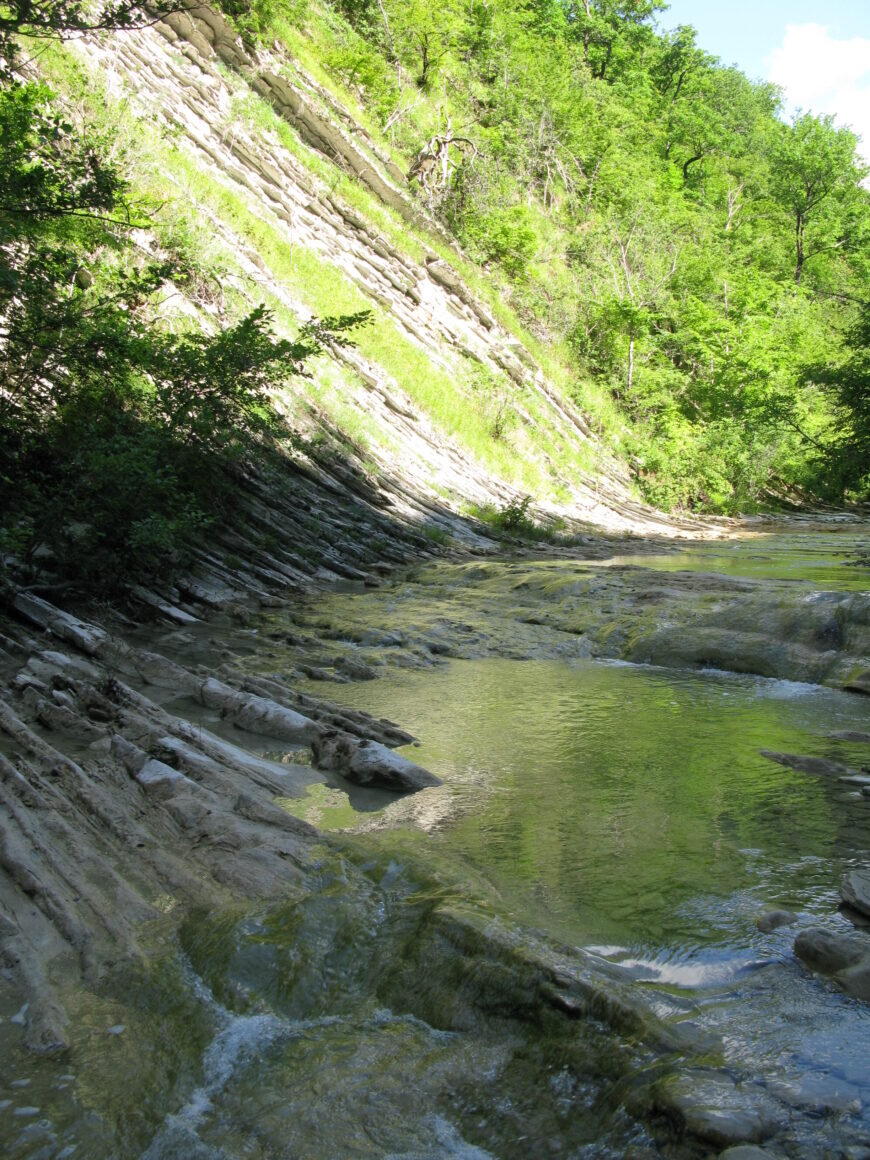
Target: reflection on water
833, 561
611, 793
628, 808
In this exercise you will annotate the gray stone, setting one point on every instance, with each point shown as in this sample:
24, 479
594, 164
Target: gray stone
87, 637
47, 663
818, 1094
819, 765
856, 980
859, 683
710, 1107
370, 763
355, 669
163, 673
131, 756
257, 714
828, 951
162, 780
744, 1152
855, 889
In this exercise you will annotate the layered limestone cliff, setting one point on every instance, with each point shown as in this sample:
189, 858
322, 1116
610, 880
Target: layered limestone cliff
191, 75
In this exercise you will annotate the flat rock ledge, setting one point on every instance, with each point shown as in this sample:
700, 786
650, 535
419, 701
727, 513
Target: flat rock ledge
714, 1110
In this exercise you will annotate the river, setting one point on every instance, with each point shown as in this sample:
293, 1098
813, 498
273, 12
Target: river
618, 811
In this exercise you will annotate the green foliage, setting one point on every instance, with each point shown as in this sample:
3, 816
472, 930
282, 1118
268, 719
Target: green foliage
514, 516
848, 384
257, 19
635, 198
815, 177
360, 66
507, 237
512, 519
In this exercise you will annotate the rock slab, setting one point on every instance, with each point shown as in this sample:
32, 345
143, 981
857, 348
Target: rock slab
855, 889
371, 764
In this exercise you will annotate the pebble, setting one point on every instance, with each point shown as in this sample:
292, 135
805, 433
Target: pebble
116, 1029
26, 1111
20, 1083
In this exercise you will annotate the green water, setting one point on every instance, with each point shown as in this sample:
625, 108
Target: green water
602, 797
835, 560
629, 809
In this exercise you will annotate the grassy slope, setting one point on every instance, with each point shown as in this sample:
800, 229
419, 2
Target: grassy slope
471, 407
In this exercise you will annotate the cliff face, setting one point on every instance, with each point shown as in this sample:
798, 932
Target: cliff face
451, 410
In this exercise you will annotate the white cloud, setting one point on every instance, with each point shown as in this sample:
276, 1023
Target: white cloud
824, 75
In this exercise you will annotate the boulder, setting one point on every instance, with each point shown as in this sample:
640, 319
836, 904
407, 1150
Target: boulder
711, 1108
161, 780
829, 951
370, 763
355, 669
131, 756
818, 1094
258, 714
820, 765
163, 673
87, 637
855, 889
845, 957
859, 683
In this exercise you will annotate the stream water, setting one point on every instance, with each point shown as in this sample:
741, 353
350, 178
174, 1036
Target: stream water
625, 809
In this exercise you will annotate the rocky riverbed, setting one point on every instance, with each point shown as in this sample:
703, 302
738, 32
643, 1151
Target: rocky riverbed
173, 926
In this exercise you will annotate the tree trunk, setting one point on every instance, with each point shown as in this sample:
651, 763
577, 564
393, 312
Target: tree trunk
686, 164
799, 247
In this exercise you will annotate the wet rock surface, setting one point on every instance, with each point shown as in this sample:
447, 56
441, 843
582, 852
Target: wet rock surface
855, 889
144, 768
845, 957
712, 1109
566, 605
770, 920
370, 763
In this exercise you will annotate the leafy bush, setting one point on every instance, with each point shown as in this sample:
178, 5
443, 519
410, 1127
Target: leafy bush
117, 438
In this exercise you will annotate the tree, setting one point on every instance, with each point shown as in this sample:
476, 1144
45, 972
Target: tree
425, 33
609, 28
816, 178
57, 19
847, 463
116, 436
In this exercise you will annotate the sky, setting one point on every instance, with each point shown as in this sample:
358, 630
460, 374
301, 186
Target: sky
819, 53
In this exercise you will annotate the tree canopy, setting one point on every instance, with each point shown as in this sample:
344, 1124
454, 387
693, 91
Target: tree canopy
650, 207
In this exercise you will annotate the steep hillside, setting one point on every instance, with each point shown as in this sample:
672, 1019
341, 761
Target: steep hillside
442, 399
